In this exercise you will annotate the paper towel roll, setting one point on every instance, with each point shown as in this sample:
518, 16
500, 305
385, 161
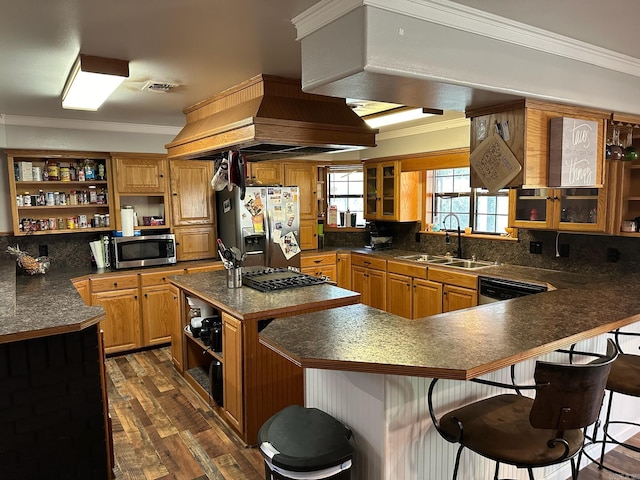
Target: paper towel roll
126, 214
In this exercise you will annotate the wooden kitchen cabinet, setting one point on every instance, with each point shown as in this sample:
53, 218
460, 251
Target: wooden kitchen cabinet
459, 289
386, 186
118, 296
140, 173
319, 265
343, 271
528, 140
574, 209
34, 216
232, 370
369, 278
177, 354
457, 298
141, 181
304, 175
195, 243
265, 173
157, 314
409, 293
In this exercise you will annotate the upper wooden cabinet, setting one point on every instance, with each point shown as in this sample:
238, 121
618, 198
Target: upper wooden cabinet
304, 175
265, 173
63, 202
140, 173
192, 200
527, 123
386, 186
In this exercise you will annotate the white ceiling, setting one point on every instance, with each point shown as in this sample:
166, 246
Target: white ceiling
206, 46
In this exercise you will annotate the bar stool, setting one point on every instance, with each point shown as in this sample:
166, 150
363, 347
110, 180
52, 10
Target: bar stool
624, 379
531, 432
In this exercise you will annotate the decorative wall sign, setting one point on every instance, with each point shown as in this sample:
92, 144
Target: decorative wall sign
573, 152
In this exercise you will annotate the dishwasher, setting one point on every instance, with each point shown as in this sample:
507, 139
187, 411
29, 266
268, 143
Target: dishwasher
496, 289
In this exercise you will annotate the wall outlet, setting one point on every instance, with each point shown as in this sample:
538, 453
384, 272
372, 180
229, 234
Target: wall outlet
535, 247
43, 250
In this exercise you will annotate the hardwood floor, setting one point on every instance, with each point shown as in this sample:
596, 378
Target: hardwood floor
163, 430
621, 458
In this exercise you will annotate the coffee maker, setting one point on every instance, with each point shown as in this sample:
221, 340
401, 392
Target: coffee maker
378, 235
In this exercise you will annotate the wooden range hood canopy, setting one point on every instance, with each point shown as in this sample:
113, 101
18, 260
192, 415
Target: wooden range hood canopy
269, 117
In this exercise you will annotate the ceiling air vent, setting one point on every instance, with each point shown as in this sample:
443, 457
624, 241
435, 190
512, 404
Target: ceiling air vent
159, 87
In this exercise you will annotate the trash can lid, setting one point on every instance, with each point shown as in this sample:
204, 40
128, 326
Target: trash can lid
307, 439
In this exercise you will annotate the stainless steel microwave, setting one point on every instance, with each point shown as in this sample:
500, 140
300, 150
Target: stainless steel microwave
143, 251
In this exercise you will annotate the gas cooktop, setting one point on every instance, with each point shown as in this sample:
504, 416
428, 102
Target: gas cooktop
271, 279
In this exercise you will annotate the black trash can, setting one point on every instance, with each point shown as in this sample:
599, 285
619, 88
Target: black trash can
305, 443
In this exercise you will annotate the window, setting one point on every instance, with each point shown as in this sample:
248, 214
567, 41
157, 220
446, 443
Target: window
345, 191
452, 196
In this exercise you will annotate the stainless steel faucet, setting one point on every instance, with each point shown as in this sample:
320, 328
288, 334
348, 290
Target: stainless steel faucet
447, 240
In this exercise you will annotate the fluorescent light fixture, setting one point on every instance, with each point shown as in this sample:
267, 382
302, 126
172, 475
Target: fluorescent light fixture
91, 81
399, 115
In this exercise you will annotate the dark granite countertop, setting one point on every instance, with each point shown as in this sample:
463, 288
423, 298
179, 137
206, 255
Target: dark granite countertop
247, 303
457, 345
41, 305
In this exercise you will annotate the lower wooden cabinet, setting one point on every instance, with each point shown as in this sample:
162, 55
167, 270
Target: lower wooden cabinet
176, 329
457, 298
232, 370
369, 278
409, 293
319, 265
157, 314
121, 325
427, 298
343, 270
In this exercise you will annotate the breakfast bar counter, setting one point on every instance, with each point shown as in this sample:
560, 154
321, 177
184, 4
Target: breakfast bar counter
372, 370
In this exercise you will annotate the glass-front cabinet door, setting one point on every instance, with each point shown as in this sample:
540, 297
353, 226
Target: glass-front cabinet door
371, 192
572, 209
531, 208
388, 199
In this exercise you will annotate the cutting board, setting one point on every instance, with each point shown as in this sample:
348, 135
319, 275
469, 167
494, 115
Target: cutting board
494, 163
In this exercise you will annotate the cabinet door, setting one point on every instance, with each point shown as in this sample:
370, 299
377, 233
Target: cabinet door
192, 199
359, 283
377, 288
399, 295
581, 209
427, 298
304, 176
343, 262
176, 328
122, 323
232, 370
82, 286
371, 203
157, 315
308, 234
387, 190
140, 173
457, 298
267, 173
195, 243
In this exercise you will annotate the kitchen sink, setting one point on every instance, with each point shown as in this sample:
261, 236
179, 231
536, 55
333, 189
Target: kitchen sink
468, 264
447, 261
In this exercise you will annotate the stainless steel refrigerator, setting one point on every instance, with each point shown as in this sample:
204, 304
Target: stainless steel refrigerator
265, 224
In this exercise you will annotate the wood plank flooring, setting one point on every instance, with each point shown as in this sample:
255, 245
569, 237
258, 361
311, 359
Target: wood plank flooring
621, 458
163, 430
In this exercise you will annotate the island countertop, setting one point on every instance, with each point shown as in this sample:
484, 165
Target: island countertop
40, 305
246, 303
462, 344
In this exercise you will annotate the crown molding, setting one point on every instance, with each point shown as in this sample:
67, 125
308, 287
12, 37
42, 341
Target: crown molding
67, 124
478, 22
423, 128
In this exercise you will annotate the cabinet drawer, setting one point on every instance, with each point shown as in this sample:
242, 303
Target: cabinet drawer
321, 271
158, 277
214, 267
452, 278
403, 268
113, 282
368, 261
317, 260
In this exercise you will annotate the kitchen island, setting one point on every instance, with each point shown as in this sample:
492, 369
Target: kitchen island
256, 381
53, 406
372, 369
